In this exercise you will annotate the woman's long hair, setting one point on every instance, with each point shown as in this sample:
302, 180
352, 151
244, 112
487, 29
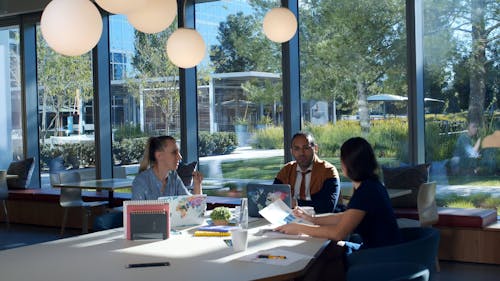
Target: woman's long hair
153, 145
359, 159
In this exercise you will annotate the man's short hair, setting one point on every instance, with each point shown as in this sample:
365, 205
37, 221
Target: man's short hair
307, 135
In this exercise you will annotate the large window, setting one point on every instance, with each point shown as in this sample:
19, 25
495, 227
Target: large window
239, 97
353, 82
353, 76
66, 111
462, 99
144, 90
11, 117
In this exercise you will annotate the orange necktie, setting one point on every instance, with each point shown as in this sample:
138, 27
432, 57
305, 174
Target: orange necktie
302, 193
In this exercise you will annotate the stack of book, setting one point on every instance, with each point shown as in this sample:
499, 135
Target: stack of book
214, 230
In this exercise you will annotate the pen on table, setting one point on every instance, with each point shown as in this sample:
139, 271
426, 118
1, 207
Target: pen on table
147, 264
271, 257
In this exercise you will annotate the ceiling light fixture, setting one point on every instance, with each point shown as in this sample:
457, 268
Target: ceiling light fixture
185, 47
280, 25
121, 6
71, 28
153, 17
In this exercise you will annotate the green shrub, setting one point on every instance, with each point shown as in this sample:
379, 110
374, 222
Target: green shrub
217, 143
330, 137
129, 151
270, 137
128, 131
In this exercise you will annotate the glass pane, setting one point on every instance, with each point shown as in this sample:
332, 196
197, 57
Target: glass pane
353, 76
66, 112
11, 117
144, 91
239, 98
462, 101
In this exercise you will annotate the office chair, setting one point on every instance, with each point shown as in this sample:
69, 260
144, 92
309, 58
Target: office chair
72, 198
4, 194
420, 246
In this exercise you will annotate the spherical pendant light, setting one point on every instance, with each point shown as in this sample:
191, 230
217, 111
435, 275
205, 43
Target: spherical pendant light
121, 6
153, 17
280, 25
185, 48
71, 27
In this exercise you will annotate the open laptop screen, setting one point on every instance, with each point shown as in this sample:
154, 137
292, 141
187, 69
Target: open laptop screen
186, 209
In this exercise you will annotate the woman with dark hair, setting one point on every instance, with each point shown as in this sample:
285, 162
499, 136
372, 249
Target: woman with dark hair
369, 212
157, 171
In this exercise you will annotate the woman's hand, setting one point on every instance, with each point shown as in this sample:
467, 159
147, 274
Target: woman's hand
291, 228
197, 179
301, 214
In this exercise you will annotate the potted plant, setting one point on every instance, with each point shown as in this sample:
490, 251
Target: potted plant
264, 121
220, 216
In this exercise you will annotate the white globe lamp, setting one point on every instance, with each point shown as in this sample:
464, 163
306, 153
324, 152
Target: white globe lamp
153, 17
71, 27
121, 6
279, 25
185, 48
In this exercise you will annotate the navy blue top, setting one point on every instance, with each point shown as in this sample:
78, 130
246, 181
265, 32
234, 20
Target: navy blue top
378, 227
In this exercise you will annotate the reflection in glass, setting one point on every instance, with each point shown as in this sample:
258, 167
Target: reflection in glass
11, 117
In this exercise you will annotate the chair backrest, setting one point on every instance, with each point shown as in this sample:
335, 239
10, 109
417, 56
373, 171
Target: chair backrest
426, 204
69, 196
420, 246
24, 171
119, 172
4, 192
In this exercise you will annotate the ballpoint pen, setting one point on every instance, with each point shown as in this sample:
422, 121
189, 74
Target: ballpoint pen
147, 264
271, 257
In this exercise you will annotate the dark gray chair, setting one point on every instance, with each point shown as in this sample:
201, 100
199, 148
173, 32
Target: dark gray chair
420, 246
72, 198
24, 171
390, 271
4, 194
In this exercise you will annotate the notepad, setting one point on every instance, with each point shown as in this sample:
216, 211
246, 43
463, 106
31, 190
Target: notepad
146, 219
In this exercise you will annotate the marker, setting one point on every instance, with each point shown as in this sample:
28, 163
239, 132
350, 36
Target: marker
271, 257
147, 264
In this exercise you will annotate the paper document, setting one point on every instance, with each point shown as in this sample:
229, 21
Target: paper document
278, 213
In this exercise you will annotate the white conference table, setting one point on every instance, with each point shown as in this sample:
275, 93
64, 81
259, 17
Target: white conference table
104, 255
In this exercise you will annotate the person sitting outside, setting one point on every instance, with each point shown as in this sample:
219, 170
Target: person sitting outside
466, 153
369, 214
314, 182
157, 171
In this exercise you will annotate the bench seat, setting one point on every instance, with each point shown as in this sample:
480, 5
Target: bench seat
455, 217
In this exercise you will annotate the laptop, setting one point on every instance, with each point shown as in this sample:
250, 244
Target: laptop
261, 195
186, 210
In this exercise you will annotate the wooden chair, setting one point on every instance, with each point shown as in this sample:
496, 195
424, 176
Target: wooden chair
72, 198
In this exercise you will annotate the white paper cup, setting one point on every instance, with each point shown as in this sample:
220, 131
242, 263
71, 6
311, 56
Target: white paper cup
240, 239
